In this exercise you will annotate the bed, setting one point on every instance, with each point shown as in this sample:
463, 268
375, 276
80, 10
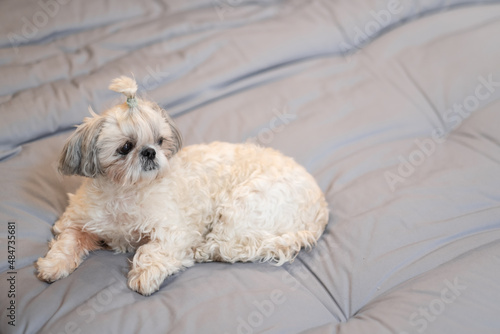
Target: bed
393, 106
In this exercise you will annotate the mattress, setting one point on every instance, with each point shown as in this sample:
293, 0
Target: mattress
393, 107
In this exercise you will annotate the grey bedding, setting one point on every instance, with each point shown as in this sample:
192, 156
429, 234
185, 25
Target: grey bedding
393, 106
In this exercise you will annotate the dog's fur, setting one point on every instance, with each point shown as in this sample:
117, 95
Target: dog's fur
173, 206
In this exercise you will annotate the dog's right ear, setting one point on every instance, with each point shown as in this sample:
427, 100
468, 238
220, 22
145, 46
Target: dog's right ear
80, 154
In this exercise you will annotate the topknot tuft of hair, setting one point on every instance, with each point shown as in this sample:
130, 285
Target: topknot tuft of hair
124, 85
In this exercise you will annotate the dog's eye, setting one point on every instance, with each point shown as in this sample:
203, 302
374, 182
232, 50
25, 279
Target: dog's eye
160, 141
125, 149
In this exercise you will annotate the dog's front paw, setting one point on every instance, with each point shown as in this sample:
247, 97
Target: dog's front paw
52, 269
152, 264
146, 280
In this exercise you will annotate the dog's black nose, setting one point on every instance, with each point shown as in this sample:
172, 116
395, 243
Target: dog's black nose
149, 153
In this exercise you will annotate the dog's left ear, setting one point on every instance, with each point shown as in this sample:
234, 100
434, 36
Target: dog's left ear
175, 142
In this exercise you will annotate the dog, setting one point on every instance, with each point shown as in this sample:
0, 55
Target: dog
176, 206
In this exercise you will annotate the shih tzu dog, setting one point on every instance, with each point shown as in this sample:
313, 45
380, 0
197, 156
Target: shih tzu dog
172, 206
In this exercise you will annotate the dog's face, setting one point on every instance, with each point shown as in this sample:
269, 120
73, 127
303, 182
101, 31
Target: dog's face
123, 145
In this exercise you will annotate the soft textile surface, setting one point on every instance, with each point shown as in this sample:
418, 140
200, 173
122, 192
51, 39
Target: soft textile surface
393, 106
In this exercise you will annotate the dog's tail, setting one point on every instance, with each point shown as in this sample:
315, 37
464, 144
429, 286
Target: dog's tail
279, 249
284, 248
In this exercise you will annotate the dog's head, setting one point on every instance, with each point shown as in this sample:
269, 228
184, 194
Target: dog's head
129, 143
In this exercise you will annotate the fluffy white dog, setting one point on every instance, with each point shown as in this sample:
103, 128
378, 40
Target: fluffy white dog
173, 207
